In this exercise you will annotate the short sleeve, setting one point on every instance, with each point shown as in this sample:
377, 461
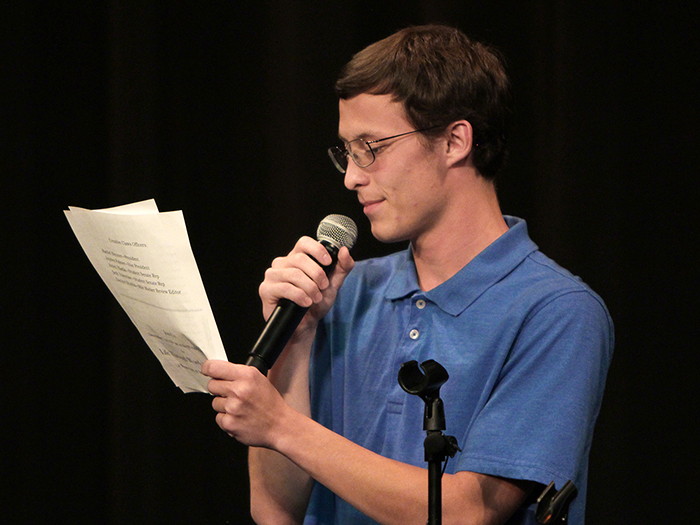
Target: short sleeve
538, 421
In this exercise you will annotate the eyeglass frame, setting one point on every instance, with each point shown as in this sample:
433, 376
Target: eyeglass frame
344, 151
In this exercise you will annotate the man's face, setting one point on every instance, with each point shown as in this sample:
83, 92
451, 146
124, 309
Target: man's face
403, 192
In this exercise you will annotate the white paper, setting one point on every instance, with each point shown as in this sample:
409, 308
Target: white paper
145, 259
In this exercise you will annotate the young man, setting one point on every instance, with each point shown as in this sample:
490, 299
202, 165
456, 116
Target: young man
334, 438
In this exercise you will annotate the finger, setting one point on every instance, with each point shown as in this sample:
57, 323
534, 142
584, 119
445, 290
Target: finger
345, 261
312, 248
345, 265
308, 247
308, 251
302, 294
220, 388
304, 273
221, 421
301, 283
219, 404
302, 267
311, 267
223, 370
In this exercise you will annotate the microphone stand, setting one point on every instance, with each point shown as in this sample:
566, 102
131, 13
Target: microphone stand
437, 445
552, 505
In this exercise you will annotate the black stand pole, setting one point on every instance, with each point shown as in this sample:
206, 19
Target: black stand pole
437, 445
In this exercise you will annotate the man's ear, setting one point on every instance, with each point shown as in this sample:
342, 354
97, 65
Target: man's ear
460, 135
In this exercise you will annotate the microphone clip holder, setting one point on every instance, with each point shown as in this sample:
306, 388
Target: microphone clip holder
553, 505
437, 445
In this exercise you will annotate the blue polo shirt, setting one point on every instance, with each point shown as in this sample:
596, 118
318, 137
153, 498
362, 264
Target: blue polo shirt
527, 347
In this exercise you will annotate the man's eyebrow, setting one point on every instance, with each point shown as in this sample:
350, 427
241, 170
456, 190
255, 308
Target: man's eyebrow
364, 136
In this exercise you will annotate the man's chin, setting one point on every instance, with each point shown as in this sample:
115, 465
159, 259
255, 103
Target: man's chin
384, 235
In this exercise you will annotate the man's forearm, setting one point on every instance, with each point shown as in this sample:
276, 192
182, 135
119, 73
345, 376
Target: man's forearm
279, 489
389, 491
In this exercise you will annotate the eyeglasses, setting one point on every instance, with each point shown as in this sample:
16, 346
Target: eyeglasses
360, 151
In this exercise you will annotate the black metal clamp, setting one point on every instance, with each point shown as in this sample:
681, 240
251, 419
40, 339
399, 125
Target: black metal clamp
553, 505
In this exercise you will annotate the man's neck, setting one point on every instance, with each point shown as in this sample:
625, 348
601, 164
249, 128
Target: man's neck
465, 231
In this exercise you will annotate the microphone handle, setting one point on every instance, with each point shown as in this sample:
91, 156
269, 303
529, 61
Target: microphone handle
277, 332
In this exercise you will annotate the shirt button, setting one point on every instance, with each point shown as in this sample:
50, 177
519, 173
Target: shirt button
414, 334
420, 303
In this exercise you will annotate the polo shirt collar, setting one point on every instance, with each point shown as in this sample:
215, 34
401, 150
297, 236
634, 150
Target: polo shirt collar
490, 266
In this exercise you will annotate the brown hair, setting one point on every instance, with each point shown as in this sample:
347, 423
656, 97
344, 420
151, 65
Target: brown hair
440, 76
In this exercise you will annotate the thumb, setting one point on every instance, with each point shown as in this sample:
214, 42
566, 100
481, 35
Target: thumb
343, 267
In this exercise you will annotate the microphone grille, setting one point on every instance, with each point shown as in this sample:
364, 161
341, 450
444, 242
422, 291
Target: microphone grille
338, 230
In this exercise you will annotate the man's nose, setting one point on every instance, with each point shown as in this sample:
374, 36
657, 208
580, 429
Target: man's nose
354, 176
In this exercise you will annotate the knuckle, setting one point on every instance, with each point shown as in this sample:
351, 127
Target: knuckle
302, 242
277, 262
231, 406
245, 391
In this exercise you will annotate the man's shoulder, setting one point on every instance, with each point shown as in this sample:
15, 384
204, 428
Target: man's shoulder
548, 283
544, 273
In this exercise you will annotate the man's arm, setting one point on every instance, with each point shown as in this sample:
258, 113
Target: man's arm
251, 410
391, 492
279, 489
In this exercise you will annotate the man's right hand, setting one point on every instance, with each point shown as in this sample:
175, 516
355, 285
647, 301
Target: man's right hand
299, 278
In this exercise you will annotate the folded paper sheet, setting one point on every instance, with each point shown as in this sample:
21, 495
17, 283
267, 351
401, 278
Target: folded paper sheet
145, 259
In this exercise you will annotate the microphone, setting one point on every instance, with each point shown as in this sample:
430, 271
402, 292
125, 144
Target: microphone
334, 232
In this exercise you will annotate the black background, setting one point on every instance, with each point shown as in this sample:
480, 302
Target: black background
224, 110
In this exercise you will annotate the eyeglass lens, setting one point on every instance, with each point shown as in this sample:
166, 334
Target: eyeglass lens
339, 156
361, 152
358, 149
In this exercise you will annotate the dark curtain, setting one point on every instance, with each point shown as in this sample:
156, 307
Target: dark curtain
224, 110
